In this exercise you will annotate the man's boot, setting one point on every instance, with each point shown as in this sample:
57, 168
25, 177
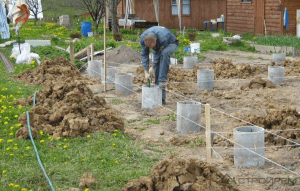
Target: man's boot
162, 85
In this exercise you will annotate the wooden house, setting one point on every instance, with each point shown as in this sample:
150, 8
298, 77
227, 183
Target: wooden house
193, 12
260, 16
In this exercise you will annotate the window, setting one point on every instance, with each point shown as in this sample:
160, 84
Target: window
174, 8
185, 7
246, 1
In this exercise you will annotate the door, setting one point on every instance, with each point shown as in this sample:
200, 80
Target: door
259, 16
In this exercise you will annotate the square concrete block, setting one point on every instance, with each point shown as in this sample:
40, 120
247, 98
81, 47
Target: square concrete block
173, 61
35, 43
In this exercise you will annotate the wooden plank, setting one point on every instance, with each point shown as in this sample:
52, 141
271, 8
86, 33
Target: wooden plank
240, 18
7, 63
81, 53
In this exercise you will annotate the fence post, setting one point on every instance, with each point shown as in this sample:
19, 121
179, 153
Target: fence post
72, 52
208, 133
92, 51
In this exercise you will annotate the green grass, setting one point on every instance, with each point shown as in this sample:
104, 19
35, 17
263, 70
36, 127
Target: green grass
278, 40
153, 121
113, 158
117, 101
199, 142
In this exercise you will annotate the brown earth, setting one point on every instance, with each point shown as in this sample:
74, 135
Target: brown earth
258, 83
58, 69
68, 109
174, 75
122, 54
291, 68
224, 68
175, 173
87, 181
278, 119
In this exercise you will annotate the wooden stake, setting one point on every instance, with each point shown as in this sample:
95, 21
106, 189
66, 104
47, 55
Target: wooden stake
92, 51
89, 53
208, 133
72, 53
104, 36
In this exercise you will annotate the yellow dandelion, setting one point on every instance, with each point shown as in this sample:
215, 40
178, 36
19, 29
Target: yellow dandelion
1, 140
15, 148
65, 140
86, 189
59, 144
116, 130
11, 154
20, 88
11, 184
24, 189
65, 146
116, 162
41, 141
5, 123
10, 140
28, 147
41, 133
11, 128
16, 186
58, 138
16, 116
88, 136
114, 144
115, 134
98, 156
66, 163
11, 134
3, 171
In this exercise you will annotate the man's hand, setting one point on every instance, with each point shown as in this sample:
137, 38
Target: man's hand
147, 75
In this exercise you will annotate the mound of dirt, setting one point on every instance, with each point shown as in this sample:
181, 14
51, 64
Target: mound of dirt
278, 119
58, 69
180, 174
174, 75
258, 83
291, 68
69, 109
224, 68
123, 54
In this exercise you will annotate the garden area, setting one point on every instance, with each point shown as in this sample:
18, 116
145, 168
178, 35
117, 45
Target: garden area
135, 141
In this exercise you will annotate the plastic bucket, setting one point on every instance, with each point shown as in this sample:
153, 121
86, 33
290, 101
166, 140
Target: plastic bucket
195, 47
276, 74
188, 117
85, 28
90, 34
205, 79
252, 138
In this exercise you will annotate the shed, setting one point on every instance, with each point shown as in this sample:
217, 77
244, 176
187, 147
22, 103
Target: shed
260, 16
193, 12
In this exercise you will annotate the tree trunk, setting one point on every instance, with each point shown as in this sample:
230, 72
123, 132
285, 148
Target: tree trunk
114, 16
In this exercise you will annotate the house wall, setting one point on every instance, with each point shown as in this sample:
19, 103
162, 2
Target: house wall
240, 17
201, 10
292, 6
273, 13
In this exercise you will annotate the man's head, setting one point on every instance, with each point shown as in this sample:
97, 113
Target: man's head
150, 41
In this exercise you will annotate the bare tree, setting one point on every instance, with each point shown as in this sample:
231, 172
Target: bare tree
96, 9
113, 4
36, 8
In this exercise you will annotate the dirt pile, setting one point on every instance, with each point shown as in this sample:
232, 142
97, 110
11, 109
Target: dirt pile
224, 68
180, 174
258, 83
123, 54
278, 119
174, 75
68, 109
291, 68
58, 69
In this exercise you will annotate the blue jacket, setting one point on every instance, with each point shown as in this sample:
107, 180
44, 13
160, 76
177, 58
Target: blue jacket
164, 38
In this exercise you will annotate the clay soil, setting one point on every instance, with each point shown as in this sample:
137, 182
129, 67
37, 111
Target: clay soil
66, 107
272, 107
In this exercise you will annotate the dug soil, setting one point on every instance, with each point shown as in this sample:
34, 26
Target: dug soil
58, 69
122, 54
66, 107
175, 173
